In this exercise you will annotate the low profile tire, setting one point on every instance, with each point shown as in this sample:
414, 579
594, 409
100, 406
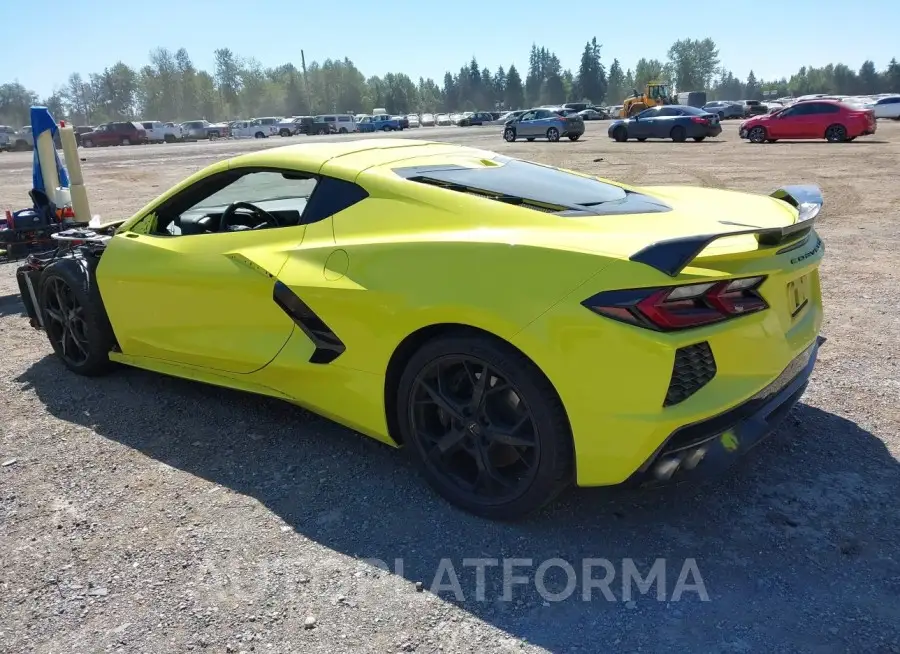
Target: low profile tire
678, 134
486, 427
699, 139
574, 137
553, 135
620, 134
757, 135
642, 139
509, 135
836, 134
74, 317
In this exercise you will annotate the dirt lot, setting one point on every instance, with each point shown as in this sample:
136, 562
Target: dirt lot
146, 514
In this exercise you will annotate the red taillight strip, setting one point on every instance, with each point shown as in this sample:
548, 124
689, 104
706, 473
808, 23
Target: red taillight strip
696, 305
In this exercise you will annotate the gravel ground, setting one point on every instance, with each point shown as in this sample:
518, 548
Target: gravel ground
140, 513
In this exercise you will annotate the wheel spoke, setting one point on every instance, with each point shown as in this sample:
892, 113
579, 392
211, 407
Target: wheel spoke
442, 402
479, 388
507, 436
54, 315
450, 441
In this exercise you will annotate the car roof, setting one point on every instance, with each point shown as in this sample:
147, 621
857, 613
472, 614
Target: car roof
353, 155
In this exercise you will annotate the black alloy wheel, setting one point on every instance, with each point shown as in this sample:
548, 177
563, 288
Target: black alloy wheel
485, 425
65, 323
476, 431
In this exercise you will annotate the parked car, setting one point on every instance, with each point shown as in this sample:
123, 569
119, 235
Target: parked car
887, 107
202, 130
508, 116
543, 123
443, 120
249, 129
403, 121
342, 123
5, 131
476, 118
115, 133
288, 127
725, 109
380, 122
156, 130
413, 120
676, 122
754, 108
174, 132
592, 114
833, 121
427, 120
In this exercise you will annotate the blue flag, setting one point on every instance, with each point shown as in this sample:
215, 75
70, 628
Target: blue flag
41, 121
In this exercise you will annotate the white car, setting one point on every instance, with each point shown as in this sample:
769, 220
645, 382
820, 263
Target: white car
427, 120
156, 130
173, 132
413, 120
887, 107
251, 129
443, 120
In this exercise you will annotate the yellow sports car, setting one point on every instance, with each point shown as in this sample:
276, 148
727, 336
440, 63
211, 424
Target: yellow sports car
518, 327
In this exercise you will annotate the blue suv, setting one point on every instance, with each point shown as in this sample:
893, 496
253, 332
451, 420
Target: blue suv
543, 124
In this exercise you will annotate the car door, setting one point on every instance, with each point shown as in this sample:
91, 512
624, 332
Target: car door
177, 293
642, 125
525, 125
791, 123
101, 135
662, 123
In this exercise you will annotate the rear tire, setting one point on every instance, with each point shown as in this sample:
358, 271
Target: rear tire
642, 139
519, 433
678, 134
125, 141
75, 319
699, 139
836, 134
169, 138
620, 134
574, 137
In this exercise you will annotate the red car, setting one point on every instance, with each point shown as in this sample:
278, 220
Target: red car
118, 133
833, 121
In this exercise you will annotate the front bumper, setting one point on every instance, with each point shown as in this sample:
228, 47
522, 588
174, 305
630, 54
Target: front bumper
709, 447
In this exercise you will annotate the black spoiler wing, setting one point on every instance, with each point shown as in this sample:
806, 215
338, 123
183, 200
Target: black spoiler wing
673, 255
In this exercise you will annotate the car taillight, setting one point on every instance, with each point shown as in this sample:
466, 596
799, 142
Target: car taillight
672, 308
702, 121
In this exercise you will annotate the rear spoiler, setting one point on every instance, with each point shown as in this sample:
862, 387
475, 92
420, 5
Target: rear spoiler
673, 255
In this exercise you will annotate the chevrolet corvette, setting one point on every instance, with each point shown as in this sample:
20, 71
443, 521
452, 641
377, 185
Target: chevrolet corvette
519, 328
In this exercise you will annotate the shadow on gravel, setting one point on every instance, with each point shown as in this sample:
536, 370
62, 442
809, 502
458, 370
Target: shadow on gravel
11, 305
796, 547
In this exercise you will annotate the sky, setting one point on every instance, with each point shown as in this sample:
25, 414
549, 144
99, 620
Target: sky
428, 38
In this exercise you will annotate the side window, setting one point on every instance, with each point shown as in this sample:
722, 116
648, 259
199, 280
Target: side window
329, 119
670, 111
648, 113
529, 115
288, 199
829, 109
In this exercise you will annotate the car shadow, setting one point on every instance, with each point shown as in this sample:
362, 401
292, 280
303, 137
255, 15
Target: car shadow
11, 305
805, 514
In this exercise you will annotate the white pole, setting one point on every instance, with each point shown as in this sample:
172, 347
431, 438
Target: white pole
77, 189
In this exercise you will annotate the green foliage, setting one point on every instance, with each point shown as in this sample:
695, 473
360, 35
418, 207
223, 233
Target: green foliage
170, 87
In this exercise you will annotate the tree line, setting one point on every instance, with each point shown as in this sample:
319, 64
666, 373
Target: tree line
170, 87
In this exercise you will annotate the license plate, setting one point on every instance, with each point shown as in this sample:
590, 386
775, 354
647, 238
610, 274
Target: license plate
798, 295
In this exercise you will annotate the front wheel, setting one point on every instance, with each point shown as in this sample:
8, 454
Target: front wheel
620, 134
509, 135
74, 317
836, 134
259, 135
485, 425
757, 135
553, 135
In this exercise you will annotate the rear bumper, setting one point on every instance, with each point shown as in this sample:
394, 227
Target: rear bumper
709, 447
